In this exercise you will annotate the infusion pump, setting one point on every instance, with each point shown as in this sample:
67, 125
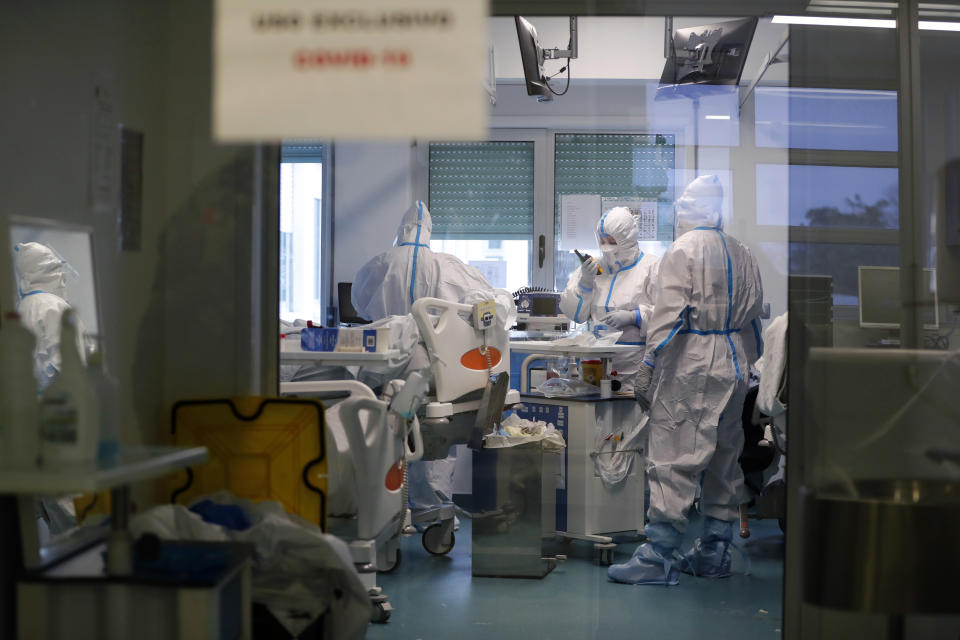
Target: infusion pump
540, 311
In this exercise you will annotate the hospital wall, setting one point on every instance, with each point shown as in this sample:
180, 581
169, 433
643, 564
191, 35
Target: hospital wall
177, 311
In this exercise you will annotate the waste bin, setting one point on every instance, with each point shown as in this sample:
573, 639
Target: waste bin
508, 497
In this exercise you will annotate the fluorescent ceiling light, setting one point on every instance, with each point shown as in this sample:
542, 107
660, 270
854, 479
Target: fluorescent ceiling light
939, 26
836, 22
717, 117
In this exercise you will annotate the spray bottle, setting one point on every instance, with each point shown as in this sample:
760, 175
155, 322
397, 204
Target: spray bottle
69, 426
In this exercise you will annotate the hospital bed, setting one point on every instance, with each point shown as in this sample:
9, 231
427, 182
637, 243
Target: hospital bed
370, 442
463, 401
372, 439
469, 389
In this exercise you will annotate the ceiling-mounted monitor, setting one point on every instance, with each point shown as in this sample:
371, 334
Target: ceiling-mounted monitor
531, 54
708, 55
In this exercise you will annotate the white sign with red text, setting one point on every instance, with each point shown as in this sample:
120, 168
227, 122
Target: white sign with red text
350, 69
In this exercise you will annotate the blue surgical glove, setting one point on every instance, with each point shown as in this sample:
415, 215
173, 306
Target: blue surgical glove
620, 319
641, 386
588, 273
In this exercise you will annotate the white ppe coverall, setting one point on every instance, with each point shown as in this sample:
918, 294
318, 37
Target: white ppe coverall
702, 338
626, 284
389, 284
41, 281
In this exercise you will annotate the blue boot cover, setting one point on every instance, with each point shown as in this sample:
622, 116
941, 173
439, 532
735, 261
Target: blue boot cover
710, 555
653, 562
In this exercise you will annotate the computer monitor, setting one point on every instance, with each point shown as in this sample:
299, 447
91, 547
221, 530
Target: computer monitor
348, 315
531, 54
880, 304
710, 54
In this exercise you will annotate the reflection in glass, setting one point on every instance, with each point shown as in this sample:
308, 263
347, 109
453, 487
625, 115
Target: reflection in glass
833, 119
53, 266
825, 196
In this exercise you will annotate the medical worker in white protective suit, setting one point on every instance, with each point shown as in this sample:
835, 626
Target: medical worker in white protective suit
701, 340
389, 284
42, 284
621, 297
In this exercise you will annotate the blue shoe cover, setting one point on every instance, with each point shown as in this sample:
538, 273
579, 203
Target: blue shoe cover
707, 559
646, 566
710, 555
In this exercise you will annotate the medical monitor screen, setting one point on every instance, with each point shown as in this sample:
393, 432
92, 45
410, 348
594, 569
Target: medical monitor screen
531, 54
880, 303
712, 54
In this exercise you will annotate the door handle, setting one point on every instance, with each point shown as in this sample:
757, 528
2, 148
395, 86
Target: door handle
543, 249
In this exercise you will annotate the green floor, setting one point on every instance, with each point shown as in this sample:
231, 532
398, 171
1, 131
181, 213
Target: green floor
436, 597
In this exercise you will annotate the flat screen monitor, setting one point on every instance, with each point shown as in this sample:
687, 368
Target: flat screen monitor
880, 304
348, 315
710, 54
531, 54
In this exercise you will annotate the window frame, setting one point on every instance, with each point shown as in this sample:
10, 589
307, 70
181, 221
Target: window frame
540, 276
544, 159
325, 264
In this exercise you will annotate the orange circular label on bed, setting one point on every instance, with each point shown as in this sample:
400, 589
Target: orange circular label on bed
394, 478
475, 360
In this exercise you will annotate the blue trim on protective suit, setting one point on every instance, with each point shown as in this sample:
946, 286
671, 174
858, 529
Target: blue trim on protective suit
585, 288
733, 348
606, 305
413, 244
726, 329
638, 317
632, 344
576, 314
758, 336
714, 332
676, 329
413, 274
29, 293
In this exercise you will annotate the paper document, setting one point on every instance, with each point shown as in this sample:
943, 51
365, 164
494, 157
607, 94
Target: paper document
644, 210
579, 215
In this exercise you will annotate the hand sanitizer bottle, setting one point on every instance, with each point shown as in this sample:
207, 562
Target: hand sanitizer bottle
69, 426
19, 412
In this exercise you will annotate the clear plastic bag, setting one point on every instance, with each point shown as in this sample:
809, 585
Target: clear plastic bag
566, 388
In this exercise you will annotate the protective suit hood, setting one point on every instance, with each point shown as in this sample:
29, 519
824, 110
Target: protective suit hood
415, 226
39, 269
618, 223
700, 205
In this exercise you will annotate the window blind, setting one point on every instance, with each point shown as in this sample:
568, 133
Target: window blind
301, 151
481, 189
614, 165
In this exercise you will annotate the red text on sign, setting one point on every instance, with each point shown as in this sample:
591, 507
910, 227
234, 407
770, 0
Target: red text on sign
316, 59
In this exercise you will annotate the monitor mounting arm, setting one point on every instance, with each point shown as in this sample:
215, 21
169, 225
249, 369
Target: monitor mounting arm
703, 52
571, 51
